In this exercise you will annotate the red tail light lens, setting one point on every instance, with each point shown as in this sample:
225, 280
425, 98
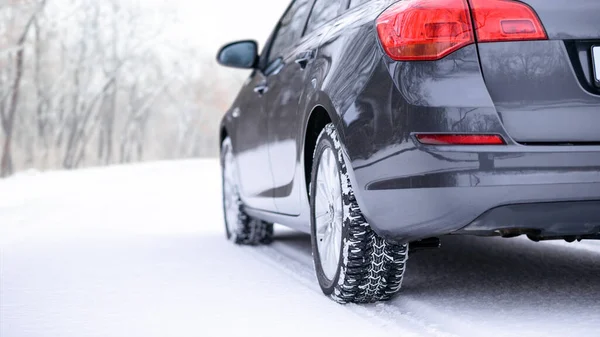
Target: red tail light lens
425, 29
506, 20
428, 30
447, 139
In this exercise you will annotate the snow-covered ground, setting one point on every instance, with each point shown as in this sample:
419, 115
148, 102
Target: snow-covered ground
139, 251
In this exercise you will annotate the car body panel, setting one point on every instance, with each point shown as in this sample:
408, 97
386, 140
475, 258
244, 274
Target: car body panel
248, 118
537, 92
568, 19
543, 90
285, 108
459, 185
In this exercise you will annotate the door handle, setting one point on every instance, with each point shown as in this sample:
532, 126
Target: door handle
261, 89
304, 58
236, 112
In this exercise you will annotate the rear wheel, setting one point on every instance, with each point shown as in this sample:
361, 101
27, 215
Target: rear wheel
353, 263
239, 226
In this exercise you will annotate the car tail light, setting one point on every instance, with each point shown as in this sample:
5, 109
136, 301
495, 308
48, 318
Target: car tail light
450, 139
428, 30
425, 29
506, 20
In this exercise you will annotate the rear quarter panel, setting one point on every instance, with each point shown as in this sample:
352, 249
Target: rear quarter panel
378, 103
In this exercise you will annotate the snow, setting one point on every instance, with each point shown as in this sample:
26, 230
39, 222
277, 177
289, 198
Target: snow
139, 250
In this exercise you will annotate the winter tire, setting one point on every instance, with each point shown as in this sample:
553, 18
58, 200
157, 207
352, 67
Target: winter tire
353, 264
239, 226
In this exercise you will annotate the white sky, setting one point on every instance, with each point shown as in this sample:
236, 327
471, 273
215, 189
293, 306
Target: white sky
211, 24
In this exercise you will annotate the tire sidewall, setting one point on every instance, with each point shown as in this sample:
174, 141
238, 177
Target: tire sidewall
325, 142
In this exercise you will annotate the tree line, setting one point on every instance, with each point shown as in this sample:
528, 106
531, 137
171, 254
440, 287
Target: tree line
88, 82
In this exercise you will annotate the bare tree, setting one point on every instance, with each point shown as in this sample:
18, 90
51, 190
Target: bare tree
8, 117
87, 82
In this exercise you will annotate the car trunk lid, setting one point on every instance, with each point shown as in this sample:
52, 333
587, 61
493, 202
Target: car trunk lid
548, 91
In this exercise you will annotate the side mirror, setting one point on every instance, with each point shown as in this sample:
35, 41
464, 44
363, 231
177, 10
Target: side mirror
241, 54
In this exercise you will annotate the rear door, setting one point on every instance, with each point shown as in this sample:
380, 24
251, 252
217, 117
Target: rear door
548, 92
286, 92
251, 139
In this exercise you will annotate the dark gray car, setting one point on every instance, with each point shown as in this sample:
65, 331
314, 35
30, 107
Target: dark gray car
379, 125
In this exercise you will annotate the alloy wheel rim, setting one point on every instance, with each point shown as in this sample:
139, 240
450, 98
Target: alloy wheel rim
328, 213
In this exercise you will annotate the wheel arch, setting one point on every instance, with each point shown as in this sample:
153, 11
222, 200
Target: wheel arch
318, 118
223, 133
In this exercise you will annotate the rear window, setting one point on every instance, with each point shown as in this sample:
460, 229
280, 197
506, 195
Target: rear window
323, 12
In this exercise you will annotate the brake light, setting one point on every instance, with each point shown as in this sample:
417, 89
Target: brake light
506, 20
450, 139
428, 30
425, 29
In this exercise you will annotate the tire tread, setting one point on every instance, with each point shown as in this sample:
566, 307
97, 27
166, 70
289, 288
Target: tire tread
372, 268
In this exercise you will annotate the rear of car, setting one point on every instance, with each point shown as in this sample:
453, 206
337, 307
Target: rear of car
489, 123
388, 123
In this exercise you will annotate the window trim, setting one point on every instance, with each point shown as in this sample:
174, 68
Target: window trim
266, 53
312, 8
343, 8
264, 64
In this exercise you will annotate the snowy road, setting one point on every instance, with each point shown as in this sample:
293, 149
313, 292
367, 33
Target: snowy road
139, 251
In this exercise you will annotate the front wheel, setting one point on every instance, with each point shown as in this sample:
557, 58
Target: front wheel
239, 226
353, 263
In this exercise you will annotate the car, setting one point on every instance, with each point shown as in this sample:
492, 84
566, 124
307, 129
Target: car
378, 126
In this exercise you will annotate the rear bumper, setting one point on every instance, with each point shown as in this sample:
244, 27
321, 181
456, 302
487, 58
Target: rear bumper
424, 192
543, 220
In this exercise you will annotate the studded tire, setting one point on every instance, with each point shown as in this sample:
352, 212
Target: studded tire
370, 269
240, 228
